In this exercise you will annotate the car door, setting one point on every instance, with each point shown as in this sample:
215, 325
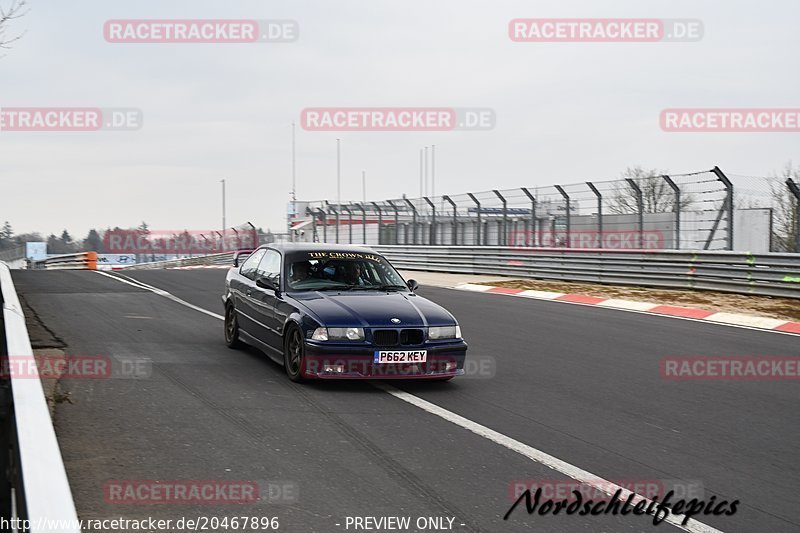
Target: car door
263, 299
242, 288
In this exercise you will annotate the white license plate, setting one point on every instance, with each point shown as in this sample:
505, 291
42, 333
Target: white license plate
401, 356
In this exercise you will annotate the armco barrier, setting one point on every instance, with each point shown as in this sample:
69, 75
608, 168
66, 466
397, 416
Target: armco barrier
225, 258
36, 486
768, 274
79, 261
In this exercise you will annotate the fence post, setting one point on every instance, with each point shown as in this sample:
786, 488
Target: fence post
600, 240
432, 235
639, 209
349, 221
413, 221
455, 219
795, 190
380, 220
676, 209
560, 189
254, 233
396, 223
363, 222
335, 212
534, 240
478, 204
324, 220
504, 240
728, 204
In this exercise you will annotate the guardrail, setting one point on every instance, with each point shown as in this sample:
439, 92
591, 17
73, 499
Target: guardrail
37, 489
225, 258
78, 261
770, 274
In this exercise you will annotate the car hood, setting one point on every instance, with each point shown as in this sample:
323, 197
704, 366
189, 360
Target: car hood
373, 309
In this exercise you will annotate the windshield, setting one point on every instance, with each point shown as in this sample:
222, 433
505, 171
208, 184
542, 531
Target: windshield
331, 270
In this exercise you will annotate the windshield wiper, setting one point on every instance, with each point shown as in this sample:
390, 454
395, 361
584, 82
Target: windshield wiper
379, 287
344, 287
341, 287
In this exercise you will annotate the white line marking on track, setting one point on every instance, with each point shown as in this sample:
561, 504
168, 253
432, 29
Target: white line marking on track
160, 292
538, 456
576, 473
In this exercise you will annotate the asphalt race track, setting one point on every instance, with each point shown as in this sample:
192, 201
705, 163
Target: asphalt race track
579, 383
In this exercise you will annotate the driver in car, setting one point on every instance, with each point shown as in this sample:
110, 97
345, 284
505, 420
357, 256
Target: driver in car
350, 273
301, 271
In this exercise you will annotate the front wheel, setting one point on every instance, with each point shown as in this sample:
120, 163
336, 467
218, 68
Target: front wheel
232, 328
293, 353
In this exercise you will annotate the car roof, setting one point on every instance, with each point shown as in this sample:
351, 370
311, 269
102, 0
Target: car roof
317, 247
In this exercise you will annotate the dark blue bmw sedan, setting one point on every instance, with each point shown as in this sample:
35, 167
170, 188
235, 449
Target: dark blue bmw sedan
343, 312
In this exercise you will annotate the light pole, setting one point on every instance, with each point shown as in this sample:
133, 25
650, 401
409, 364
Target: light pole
364, 186
426, 172
421, 189
338, 173
223, 213
294, 186
433, 170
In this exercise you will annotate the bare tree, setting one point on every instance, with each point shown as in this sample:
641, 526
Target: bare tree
784, 217
16, 9
657, 195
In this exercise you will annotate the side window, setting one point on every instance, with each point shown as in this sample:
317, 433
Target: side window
270, 266
248, 269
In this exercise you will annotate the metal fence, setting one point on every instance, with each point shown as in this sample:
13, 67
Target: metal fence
694, 211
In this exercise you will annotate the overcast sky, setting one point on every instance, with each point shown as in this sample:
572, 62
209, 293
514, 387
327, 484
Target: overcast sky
566, 112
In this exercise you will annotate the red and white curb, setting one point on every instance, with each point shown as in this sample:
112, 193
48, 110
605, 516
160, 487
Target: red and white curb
719, 317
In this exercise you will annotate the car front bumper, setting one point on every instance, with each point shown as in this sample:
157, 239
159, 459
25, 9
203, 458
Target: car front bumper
341, 361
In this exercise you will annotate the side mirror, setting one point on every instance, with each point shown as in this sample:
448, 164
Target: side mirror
239, 254
266, 283
412, 284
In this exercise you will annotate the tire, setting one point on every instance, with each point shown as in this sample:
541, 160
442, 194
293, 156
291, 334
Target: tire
232, 328
293, 353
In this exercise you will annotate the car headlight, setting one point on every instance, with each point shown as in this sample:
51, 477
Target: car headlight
338, 334
436, 333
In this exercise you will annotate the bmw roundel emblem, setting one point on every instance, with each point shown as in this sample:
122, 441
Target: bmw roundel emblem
395, 321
